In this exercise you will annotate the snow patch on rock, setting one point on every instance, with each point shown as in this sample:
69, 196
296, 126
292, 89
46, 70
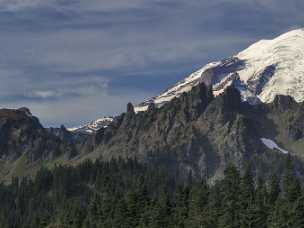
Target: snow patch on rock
272, 145
93, 126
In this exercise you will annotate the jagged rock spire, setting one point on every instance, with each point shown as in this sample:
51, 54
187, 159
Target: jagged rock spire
130, 108
25, 110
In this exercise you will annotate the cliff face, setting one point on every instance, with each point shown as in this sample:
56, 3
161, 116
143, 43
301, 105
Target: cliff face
21, 133
201, 134
25, 145
196, 133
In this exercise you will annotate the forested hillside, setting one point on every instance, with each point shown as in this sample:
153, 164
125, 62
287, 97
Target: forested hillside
126, 194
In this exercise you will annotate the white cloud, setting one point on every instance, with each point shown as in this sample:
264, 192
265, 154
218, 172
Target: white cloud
44, 94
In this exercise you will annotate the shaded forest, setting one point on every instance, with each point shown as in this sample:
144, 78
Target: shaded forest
126, 194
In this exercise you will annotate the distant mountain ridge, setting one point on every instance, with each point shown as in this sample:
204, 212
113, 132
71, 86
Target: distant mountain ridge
93, 126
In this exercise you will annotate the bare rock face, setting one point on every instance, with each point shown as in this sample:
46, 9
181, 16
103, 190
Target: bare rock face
21, 134
201, 134
282, 103
194, 133
130, 108
26, 111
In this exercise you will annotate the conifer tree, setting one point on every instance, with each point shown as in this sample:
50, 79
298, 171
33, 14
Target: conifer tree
261, 204
181, 207
279, 216
198, 199
274, 189
230, 217
160, 212
291, 185
297, 214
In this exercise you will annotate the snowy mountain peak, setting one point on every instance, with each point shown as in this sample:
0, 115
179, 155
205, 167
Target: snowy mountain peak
265, 69
93, 126
284, 56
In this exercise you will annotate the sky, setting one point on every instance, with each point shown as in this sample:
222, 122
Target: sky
72, 61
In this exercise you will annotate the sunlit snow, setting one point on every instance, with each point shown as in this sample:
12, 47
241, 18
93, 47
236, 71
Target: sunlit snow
272, 145
282, 56
93, 126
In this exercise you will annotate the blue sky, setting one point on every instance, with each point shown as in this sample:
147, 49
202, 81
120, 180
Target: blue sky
71, 61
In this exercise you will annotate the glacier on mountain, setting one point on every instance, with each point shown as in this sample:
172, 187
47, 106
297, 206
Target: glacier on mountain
265, 69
